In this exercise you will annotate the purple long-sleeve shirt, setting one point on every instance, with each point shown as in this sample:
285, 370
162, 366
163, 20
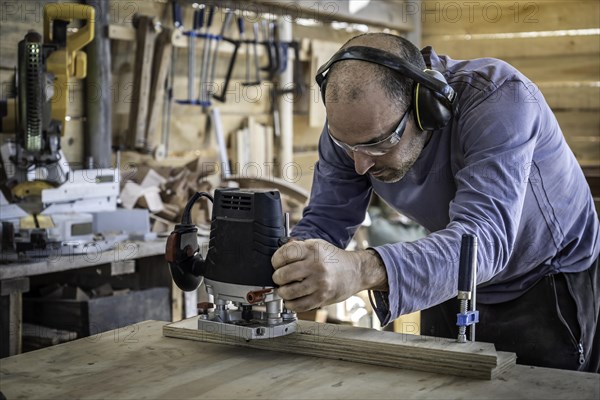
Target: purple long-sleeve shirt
501, 170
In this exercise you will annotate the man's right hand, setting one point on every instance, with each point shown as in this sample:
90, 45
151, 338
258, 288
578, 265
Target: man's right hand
314, 273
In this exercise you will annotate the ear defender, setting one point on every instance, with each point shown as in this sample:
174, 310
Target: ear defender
430, 108
433, 98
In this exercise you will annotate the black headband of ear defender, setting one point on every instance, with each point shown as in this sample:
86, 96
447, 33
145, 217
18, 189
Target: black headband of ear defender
442, 94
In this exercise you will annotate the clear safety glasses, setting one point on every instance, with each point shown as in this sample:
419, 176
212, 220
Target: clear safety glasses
380, 147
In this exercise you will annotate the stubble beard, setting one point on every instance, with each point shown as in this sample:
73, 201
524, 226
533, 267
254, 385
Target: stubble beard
409, 157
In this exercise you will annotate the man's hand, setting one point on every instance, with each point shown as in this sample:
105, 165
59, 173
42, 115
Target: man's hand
314, 273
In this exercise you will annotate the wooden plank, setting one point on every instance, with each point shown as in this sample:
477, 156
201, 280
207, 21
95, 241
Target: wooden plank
127, 250
11, 307
439, 355
11, 310
137, 362
37, 336
553, 68
16, 322
325, 33
587, 152
388, 14
571, 95
586, 149
579, 123
503, 47
582, 132
501, 16
17, 285
121, 32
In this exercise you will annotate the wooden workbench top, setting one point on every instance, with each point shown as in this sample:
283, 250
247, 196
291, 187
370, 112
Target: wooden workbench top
138, 362
123, 251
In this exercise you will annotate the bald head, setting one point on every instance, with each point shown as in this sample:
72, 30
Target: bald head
348, 80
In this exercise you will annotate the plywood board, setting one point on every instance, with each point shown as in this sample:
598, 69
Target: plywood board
369, 346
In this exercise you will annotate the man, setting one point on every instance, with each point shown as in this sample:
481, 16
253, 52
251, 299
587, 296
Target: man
497, 167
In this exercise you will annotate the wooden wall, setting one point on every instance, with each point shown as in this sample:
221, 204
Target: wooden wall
554, 43
188, 126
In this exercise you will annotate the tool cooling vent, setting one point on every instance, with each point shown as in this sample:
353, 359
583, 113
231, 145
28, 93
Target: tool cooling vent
237, 201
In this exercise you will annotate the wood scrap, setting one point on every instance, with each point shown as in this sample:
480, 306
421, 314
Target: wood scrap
251, 150
369, 346
165, 186
38, 336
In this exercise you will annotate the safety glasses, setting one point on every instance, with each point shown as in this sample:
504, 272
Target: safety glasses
378, 148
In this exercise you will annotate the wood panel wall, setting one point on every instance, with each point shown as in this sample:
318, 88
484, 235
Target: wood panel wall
188, 123
556, 44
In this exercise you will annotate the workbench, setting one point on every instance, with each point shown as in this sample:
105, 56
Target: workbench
15, 277
138, 362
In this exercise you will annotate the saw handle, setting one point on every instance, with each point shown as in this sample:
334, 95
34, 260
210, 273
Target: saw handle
69, 12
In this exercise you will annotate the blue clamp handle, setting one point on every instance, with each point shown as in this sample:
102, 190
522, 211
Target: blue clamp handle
470, 318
